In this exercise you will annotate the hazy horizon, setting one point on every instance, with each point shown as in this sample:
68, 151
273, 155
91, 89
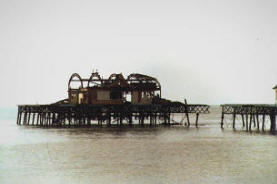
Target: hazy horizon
210, 52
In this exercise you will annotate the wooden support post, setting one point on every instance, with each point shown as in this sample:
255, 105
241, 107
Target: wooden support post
187, 112
38, 115
70, 119
130, 119
263, 122
121, 119
196, 121
46, 119
53, 118
243, 123
28, 118
250, 124
258, 122
17, 120
254, 121
109, 119
246, 120
272, 122
168, 118
42, 118
25, 118
84, 118
234, 120
33, 118
222, 118
151, 119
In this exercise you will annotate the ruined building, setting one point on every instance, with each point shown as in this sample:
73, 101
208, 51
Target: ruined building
135, 89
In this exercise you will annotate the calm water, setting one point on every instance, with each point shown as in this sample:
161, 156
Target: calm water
138, 155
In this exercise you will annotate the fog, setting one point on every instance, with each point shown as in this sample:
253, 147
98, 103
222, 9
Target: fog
206, 51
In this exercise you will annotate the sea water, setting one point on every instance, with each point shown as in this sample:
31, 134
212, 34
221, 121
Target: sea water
174, 154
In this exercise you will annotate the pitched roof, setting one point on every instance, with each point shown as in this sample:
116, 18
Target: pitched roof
275, 87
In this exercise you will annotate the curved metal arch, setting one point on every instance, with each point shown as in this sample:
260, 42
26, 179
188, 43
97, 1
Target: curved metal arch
141, 78
117, 78
94, 75
71, 78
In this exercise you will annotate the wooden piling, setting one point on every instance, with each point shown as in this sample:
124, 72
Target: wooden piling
234, 120
250, 124
263, 122
25, 118
243, 123
186, 112
258, 121
254, 121
222, 119
38, 116
33, 118
246, 120
196, 121
41, 119
18, 121
272, 122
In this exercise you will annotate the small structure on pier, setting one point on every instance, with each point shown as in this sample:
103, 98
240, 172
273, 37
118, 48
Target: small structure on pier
114, 100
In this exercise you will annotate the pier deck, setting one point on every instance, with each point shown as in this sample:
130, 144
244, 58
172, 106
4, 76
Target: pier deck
62, 115
251, 114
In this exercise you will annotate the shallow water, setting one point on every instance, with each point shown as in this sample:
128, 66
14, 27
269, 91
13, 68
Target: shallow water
173, 154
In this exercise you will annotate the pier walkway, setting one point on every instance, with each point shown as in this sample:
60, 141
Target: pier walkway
251, 115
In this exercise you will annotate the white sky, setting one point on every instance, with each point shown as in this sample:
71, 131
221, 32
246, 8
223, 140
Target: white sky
207, 51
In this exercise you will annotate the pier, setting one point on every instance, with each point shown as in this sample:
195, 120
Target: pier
252, 115
110, 101
85, 115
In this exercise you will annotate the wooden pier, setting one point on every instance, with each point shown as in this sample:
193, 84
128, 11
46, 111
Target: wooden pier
83, 115
252, 115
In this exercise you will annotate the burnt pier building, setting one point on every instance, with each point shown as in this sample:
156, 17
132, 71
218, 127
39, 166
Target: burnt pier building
136, 99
